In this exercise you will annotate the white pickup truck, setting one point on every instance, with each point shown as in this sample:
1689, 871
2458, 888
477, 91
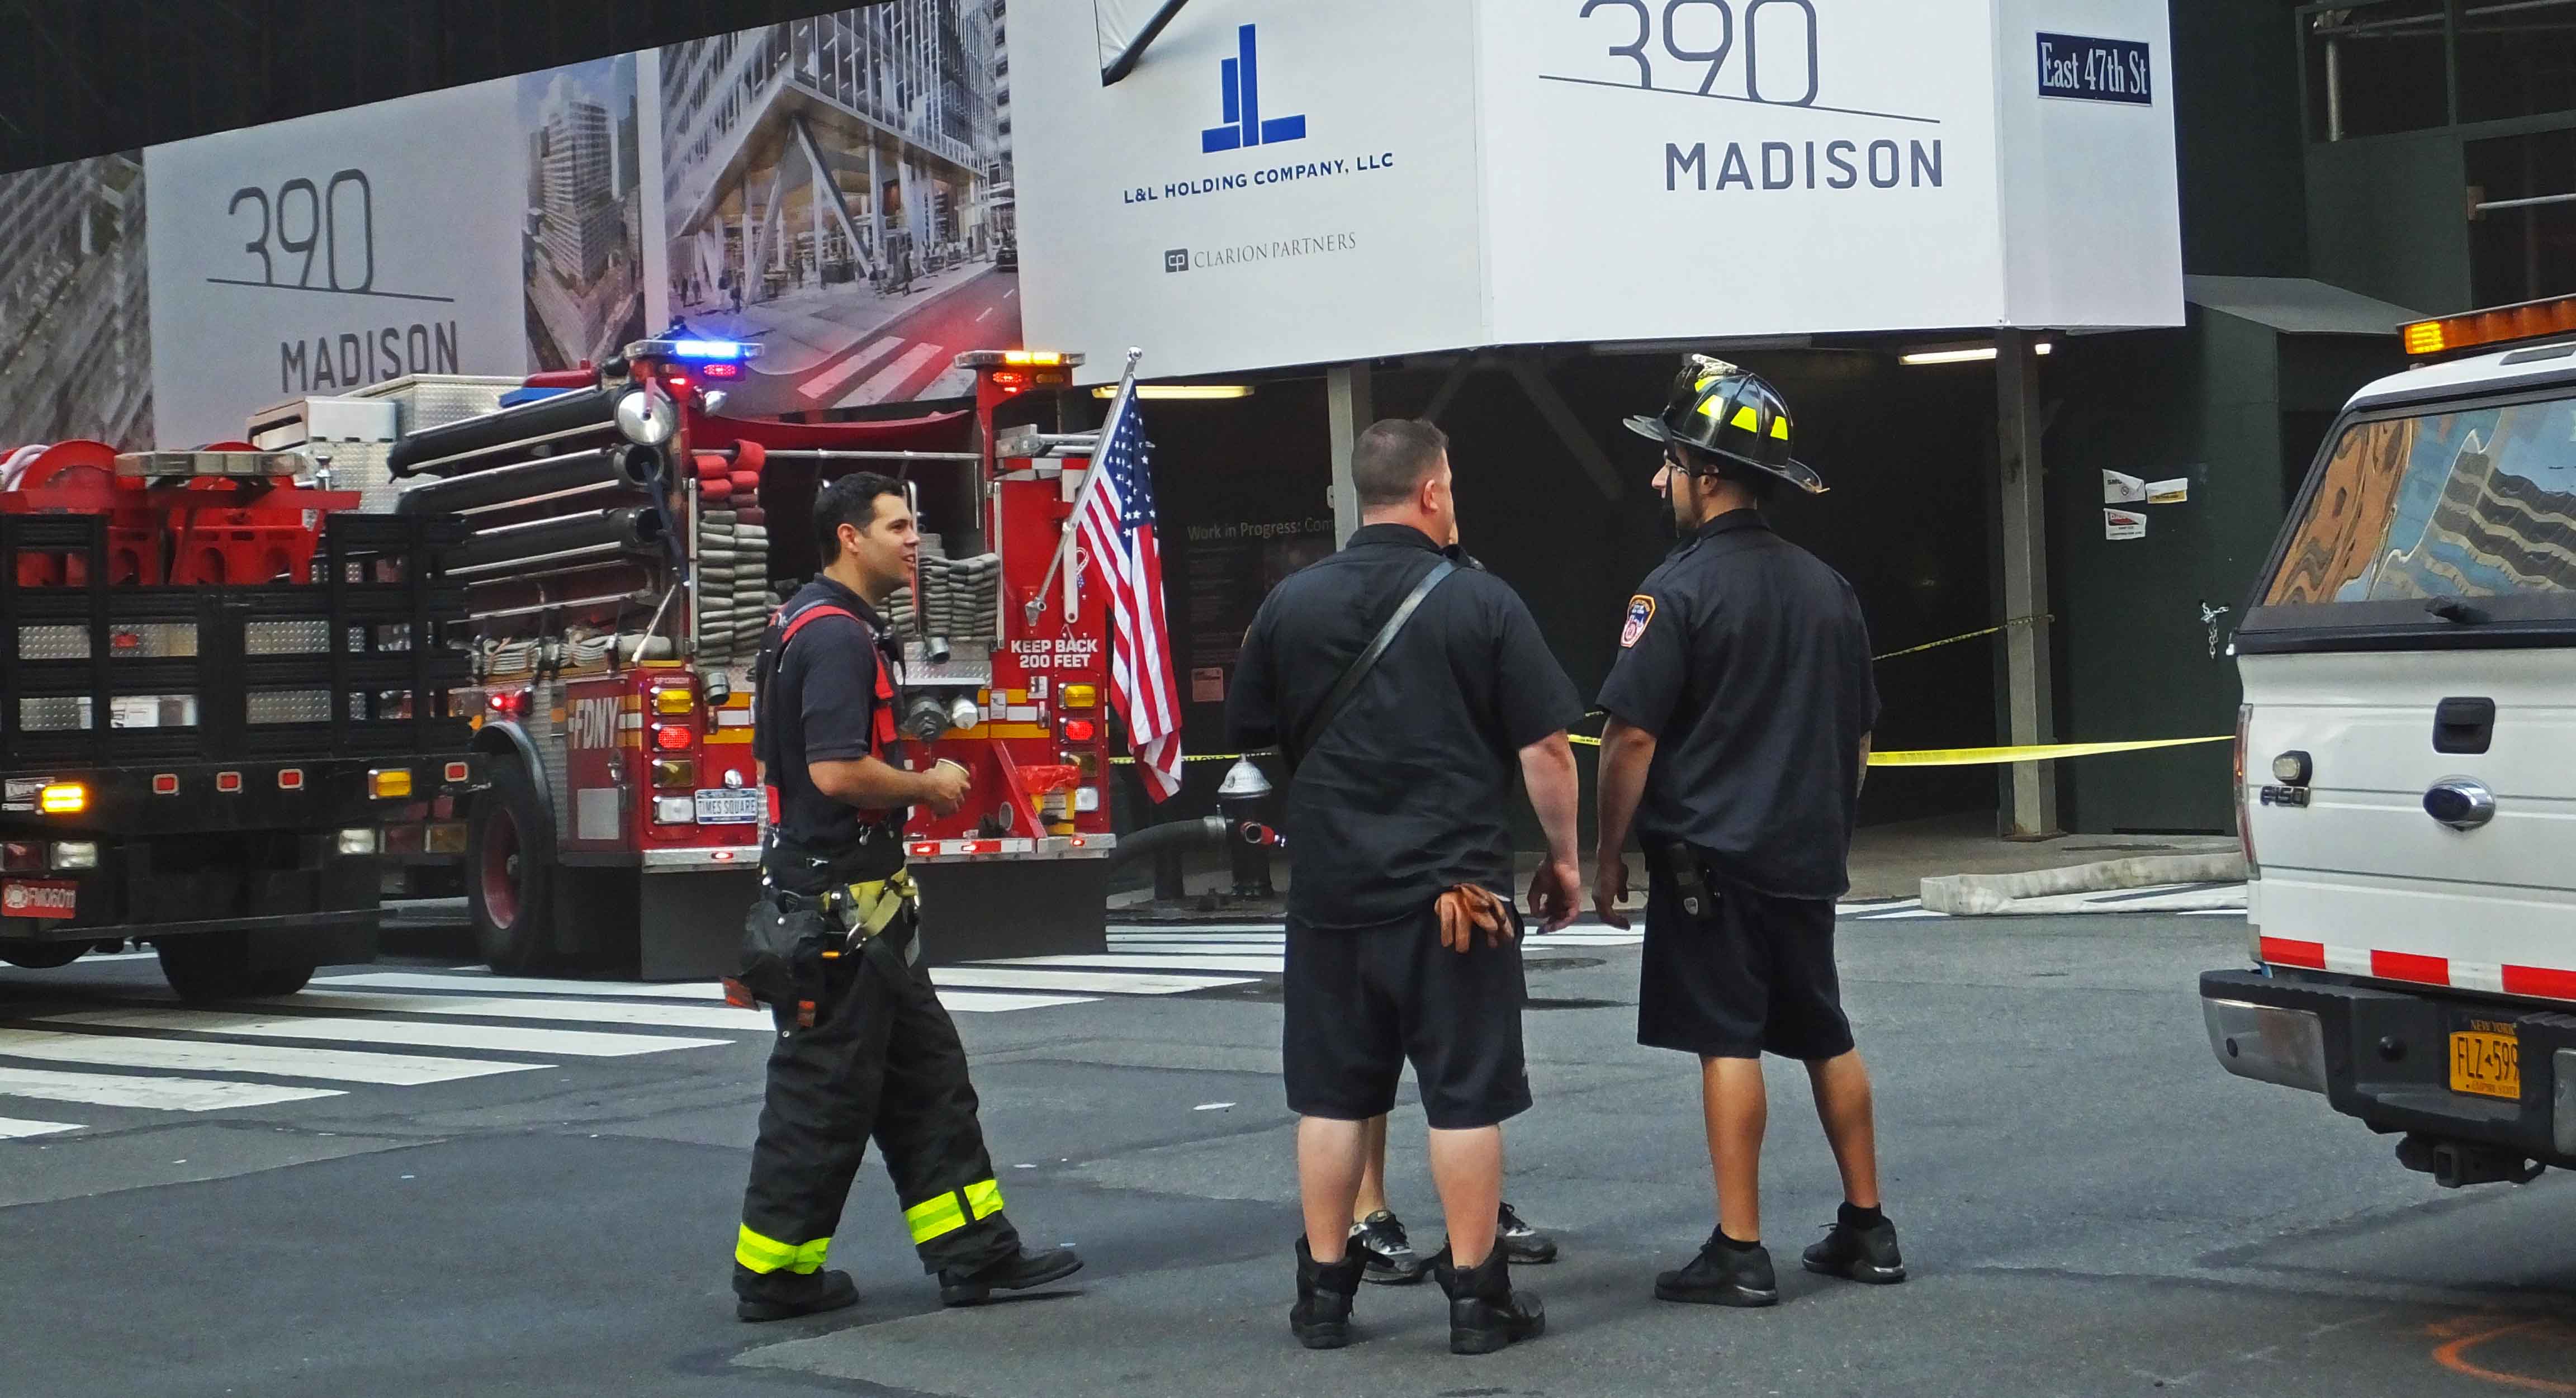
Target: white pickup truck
2406, 762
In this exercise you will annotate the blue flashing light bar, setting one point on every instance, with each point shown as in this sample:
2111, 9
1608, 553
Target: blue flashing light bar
725, 350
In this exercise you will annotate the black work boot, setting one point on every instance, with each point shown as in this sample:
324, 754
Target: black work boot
1864, 1253
1321, 1319
1722, 1275
787, 1295
1485, 1313
1017, 1272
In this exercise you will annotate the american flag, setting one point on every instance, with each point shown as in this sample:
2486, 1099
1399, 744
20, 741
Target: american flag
1116, 527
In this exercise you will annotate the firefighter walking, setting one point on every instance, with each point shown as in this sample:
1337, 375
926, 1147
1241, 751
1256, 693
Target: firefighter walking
864, 1048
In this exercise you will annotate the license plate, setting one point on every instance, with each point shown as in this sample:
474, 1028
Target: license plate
2489, 1065
23, 899
730, 805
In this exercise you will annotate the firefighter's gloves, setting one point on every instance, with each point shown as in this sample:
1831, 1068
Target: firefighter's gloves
1468, 908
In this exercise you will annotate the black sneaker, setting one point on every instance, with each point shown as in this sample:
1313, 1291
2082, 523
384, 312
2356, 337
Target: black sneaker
1018, 1272
787, 1295
1722, 1276
1386, 1255
1861, 1254
1524, 1245
1321, 1319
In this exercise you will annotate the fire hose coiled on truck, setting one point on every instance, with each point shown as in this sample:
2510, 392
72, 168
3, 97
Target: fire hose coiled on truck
505, 438
734, 596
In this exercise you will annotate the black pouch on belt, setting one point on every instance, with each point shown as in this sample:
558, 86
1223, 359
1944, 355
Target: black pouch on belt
784, 938
1677, 861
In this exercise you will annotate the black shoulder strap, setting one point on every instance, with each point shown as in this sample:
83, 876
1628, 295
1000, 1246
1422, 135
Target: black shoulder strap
1367, 660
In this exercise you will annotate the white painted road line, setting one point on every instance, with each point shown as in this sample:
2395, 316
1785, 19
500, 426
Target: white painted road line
1101, 982
530, 985
12, 1128
572, 1011
618, 1011
188, 1055
827, 383
1265, 965
158, 1094
885, 385
572, 1043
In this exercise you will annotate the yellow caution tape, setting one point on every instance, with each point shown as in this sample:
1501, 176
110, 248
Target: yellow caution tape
2044, 752
1987, 757
1967, 636
1920, 757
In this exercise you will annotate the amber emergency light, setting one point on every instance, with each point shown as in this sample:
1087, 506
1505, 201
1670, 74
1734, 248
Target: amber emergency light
2530, 320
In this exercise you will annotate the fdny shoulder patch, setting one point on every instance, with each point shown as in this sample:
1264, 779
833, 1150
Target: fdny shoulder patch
1641, 609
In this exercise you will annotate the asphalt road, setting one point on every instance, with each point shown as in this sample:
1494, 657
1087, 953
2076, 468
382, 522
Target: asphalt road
857, 351
2089, 1206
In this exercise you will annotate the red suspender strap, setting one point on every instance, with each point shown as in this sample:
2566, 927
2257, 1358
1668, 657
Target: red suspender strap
795, 624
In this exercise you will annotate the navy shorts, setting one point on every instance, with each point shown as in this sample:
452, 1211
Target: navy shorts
1754, 976
1361, 1004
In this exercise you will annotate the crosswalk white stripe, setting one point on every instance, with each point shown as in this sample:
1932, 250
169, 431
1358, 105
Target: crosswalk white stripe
158, 1094
885, 385
1158, 930
573, 1043
1268, 965
530, 985
1106, 983
617, 1011
14, 1128
188, 1055
824, 384
572, 1011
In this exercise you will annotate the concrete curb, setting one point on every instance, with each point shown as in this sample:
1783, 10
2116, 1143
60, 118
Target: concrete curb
1978, 895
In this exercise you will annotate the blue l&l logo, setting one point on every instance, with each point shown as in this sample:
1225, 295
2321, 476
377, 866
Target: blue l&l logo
1243, 124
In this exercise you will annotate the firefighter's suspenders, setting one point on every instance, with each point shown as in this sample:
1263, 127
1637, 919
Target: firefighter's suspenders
882, 728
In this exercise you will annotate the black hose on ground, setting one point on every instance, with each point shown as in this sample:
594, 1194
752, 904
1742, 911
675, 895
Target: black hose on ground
1178, 834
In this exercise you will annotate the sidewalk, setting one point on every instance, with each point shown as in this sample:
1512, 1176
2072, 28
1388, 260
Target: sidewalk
1887, 861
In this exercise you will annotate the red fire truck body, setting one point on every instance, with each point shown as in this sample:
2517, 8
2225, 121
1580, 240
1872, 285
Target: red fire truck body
627, 543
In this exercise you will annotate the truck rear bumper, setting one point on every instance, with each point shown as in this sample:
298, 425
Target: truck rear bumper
2384, 1056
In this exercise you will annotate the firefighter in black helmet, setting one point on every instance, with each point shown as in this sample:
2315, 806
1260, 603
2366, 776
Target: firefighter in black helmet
1740, 705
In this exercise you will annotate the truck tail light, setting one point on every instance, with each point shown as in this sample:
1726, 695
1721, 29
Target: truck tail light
63, 798
19, 857
673, 737
675, 771
360, 840
75, 854
674, 702
290, 779
674, 810
387, 783
2244, 807
165, 784
1080, 730
458, 771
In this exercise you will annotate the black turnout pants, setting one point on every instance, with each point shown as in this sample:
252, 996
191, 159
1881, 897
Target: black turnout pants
882, 1059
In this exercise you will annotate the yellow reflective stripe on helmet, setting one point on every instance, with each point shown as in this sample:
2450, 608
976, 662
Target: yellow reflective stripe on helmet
934, 1218
762, 1253
809, 1258
984, 1199
1747, 419
1780, 428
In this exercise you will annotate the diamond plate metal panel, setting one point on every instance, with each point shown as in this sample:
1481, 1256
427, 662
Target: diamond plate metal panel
53, 715
289, 706
286, 637
424, 401
53, 643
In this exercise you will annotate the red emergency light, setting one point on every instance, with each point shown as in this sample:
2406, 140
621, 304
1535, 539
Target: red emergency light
672, 737
719, 371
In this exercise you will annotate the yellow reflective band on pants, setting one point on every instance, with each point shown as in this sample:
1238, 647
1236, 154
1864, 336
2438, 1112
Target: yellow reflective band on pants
762, 1253
946, 1213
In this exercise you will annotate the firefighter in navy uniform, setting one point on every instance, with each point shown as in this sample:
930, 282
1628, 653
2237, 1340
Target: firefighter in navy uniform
864, 1046
1741, 704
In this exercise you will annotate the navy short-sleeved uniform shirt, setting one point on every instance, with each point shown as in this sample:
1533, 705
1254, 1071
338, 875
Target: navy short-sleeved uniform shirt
1408, 792
824, 699
1748, 660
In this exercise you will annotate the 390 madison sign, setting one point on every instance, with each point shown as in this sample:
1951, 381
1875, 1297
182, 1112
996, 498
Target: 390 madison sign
1608, 169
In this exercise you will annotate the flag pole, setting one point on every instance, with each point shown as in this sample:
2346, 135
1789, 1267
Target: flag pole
1063, 559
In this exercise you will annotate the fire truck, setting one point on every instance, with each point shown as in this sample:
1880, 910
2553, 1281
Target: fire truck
224, 692
625, 543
